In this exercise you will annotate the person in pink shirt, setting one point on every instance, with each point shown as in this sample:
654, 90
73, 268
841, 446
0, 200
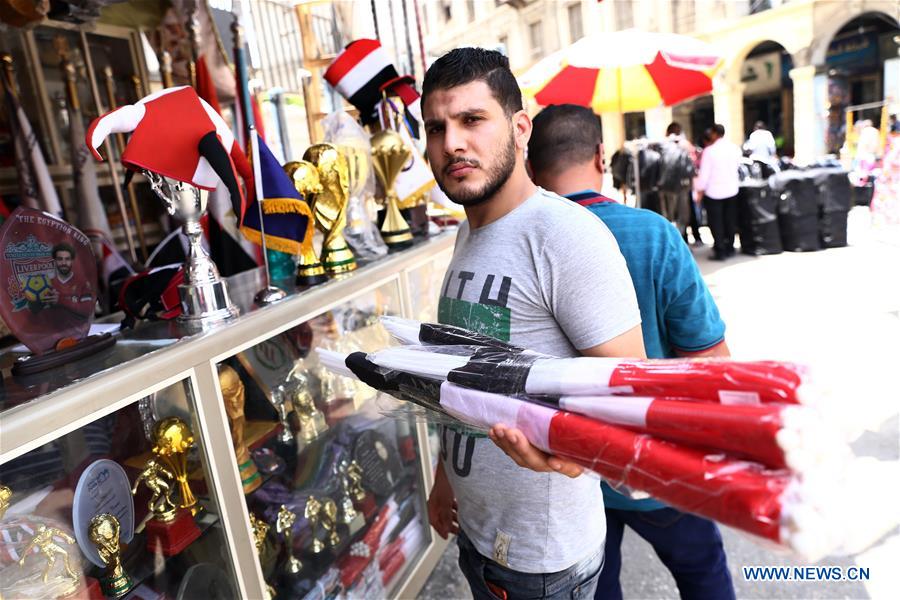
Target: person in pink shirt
717, 184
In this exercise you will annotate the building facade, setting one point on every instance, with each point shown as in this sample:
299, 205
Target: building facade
796, 65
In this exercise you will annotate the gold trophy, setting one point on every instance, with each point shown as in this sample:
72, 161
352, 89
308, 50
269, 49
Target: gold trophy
311, 420
354, 478
349, 516
328, 518
5, 495
173, 440
390, 154
306, 181
260, 529
330, 206
154, 477
47, 546
313, 508
233, 394
285, 526
104, 533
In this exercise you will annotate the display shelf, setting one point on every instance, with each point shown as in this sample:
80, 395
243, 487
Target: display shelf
155, 356
41, 405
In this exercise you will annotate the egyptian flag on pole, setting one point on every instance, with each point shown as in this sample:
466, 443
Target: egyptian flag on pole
286, 215
231, 251
362, 72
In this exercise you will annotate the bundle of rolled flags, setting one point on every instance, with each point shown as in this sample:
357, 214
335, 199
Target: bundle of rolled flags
741, 443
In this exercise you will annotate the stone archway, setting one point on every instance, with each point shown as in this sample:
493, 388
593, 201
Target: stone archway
789, 27
855, 55
768, 95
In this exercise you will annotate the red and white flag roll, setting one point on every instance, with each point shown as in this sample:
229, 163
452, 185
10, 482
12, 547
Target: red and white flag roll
520, 373
775, 435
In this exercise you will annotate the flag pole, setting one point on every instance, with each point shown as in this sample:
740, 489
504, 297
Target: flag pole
269, 293
113, 170
120, 142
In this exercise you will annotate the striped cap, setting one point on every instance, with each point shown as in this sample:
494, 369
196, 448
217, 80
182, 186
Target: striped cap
362, 71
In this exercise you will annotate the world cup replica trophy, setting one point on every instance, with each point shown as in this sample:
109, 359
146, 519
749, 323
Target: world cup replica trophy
330, 206
104, 534
233, 394
305, 177
173, 439
390, 154
185, 149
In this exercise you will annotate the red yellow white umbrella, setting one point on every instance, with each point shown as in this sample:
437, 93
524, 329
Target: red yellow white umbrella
624, 71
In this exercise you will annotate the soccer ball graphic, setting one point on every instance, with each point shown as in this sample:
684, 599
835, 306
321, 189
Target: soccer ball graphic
37, 288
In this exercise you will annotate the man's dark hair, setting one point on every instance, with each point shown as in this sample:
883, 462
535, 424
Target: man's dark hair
759, 125
465, 65
673, 128
719, 129
63, 247
563, 134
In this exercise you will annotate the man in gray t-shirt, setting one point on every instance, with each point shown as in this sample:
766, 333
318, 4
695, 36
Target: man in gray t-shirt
544, 273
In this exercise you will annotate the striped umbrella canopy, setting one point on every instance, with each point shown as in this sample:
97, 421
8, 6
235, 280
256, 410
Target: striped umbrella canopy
624, 71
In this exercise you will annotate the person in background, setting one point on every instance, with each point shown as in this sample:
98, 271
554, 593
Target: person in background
717, 184
679, 317
525, 261
675, 174
761, 144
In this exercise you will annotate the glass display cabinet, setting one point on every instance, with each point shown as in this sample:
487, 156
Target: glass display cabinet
226, 463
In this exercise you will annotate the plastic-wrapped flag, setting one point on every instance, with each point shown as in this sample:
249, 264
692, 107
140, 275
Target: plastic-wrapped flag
802, 488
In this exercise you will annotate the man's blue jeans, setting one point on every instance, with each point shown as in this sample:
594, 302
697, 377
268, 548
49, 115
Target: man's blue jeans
689, 546
492, 581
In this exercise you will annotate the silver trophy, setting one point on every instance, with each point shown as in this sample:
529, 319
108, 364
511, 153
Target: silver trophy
204, 295
280, 399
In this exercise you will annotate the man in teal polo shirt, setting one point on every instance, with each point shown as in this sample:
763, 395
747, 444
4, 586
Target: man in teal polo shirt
679, 318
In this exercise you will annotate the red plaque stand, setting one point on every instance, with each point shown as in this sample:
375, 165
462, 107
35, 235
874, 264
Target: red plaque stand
367, 506
172, 537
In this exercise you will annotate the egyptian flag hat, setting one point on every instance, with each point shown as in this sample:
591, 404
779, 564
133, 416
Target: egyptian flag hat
177, 134
362, 72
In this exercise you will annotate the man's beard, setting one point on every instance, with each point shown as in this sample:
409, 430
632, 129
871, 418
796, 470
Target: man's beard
497, 176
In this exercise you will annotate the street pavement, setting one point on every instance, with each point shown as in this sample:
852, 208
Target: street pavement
837, 310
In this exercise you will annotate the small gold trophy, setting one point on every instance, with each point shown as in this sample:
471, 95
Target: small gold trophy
233, 394
311, 420
313, 508
390, 154
354, 478
5, 495
260, 528
285, 526
104, 533
173, 440
349, 516
47, 546
171, 529
330, 206
328, 518
155, 478
306, 181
